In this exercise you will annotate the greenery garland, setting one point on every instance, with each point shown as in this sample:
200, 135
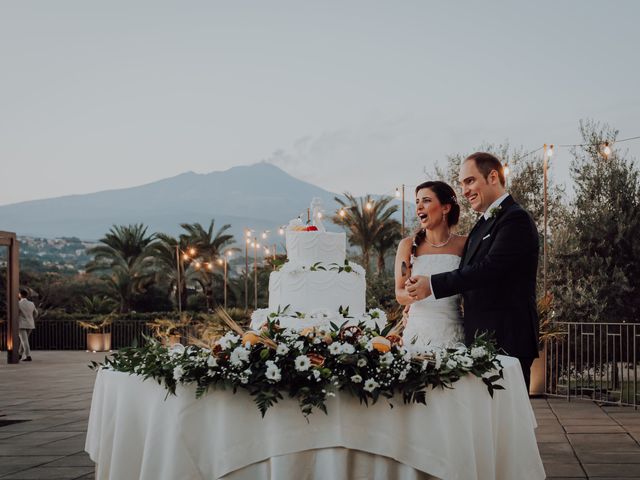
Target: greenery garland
311, 365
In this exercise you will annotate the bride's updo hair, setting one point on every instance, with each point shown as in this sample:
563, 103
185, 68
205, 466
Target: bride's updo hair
446, 196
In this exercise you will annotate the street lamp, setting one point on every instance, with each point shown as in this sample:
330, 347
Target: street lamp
400, 195
547, 153
180, 254
224, 261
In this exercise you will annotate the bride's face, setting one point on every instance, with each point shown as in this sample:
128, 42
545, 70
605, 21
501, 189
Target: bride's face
429, 210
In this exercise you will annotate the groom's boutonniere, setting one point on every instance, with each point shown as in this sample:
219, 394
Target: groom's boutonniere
494, 211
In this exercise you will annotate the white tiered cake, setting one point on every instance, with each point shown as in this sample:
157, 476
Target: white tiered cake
314, 276
316, 285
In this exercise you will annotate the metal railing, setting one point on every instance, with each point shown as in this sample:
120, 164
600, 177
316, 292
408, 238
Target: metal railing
596, 361
69, 335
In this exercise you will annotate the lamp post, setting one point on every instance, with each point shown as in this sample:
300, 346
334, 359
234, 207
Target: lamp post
224, 262
246, 268
547, 153
400, 194
181, 255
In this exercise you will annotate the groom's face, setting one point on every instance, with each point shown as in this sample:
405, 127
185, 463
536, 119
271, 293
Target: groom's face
479, 191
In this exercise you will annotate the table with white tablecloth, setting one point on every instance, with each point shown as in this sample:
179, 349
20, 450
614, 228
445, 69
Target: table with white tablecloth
136, 431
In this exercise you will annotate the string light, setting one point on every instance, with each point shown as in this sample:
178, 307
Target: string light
249, 241
185, 256
192, 251
319, 215
264, 234
220, 262
369, 206
210, 266
229, 253
248, 233
266, 250
506, 169
342, 213
197, 264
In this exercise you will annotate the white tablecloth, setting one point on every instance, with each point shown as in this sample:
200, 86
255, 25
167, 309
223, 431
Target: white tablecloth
135, 433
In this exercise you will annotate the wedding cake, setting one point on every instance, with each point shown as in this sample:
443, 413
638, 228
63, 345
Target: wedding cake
317, 285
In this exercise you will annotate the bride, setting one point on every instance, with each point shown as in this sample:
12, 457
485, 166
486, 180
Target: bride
434, 249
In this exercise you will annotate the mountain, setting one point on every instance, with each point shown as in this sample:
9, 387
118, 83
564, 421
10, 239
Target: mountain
260, 196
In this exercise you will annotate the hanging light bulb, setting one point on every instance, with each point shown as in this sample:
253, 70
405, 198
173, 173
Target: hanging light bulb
397, 192
185, 256
319, 215
369, 206
281, 231
210, 266
264, 234
266, 250
342, 213
220, 261
197, 264
606, 150
192, 251
229, 253
248, 233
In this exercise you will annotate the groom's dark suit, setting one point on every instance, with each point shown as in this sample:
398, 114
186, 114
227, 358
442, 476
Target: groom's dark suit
497, 278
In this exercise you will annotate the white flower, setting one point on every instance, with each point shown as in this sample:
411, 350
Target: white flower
370, 385
302, 363
226, 341
403, 375
273, 373
438, 362
378, 313
425, 363
335, 348
387, 358
478, 352
451, 364
362, 362
178, 372
299, 345
347, 348
369, 346
316, 374
356, 379
212, 361
282, 349
238, 356
465, 361
176, 350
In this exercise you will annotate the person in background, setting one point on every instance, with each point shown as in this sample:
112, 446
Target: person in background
26, 323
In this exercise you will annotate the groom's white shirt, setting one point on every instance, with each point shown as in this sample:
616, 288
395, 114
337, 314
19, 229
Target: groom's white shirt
486, 215
495, 204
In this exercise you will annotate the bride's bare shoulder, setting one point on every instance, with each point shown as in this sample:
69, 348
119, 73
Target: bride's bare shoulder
459, 241
405, 244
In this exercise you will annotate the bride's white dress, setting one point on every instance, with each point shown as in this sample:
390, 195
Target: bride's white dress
431, 322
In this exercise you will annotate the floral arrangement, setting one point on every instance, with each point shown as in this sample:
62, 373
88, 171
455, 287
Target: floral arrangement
310, 365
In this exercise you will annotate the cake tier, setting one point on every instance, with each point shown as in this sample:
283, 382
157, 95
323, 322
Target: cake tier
308, 291
375, 319
308, 248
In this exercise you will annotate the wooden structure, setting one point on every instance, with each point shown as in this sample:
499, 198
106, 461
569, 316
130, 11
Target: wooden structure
8, 239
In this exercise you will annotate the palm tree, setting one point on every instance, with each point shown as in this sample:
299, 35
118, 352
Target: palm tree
210, 247
364, 220
121, 258
386, 241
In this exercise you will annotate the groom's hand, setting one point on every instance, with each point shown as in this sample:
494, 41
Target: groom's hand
418, 287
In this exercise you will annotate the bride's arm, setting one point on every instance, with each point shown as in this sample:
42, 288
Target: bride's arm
403, 255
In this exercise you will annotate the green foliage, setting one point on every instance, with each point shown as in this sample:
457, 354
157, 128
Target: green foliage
595, 267
368, 228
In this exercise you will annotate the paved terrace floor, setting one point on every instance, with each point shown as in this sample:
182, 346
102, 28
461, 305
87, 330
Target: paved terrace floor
576, 440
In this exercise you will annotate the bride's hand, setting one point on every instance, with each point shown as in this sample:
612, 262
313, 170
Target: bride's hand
405, 315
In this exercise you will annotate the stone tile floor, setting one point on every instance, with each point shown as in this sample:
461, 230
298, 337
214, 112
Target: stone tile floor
576, 439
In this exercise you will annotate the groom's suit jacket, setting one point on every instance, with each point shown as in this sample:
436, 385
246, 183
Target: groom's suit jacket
497, 279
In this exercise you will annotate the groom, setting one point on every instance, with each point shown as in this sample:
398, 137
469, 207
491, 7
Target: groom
497, 275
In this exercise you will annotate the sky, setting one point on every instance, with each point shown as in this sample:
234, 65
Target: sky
357, 96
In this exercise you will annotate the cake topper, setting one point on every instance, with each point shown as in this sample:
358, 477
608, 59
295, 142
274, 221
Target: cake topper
317, 212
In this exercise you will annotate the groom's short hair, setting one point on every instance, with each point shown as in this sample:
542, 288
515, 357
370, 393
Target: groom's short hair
486, 163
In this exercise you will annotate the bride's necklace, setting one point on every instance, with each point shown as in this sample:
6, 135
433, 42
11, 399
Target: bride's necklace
438, 245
